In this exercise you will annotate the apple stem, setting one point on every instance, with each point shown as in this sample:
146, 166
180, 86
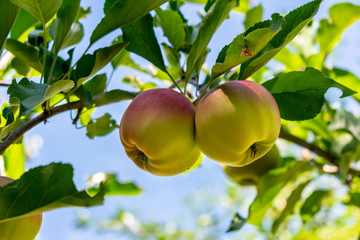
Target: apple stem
175, 83
203, 92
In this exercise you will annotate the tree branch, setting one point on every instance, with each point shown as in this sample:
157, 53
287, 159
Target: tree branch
4, 84
287, 136
18, 132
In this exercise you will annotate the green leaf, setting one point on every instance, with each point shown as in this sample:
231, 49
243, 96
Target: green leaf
22, 23
347, 122
61, 25
42, 10
8, 117
101, 127
96, 85
313, 204
354, 199
246, 45
90, 64
14, 160
346, 78
329, 33
122, 13
211, 21
318, 126
124, 59
143, 41
172, 56
43, 189
25, 53
300, 95
290, 206
270, 185
172, 26
75, 35
33, 94
108, 5
112, 186
292, 62
253, 16
20, 67
237, 223
8, 13
294, 22
114, 96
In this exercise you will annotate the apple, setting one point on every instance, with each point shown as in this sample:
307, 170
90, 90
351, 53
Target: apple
251, 174
24, 228
237, 122
157, 131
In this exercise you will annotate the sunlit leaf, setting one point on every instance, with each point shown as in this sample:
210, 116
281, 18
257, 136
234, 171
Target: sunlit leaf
101, 126
270, 185
172, 26
111, 185
313, 204
290, 205
292, 61
294, 22
348, 79
253, 16
14, 160
342, 15
247, 45
347, 122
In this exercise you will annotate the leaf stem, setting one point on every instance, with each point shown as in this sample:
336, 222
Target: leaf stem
175, 83
44, 55
203, 92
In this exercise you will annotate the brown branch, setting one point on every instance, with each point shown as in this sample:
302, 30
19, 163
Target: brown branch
287, 136
35, 121
4, 84
18, 132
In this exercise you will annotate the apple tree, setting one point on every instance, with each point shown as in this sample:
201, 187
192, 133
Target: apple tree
288, 56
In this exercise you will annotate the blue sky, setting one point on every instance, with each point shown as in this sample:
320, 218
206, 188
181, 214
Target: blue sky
163, 196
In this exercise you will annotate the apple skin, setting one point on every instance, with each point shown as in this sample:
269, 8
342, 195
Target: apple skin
24, 228
237, 122
251, 174
157, 131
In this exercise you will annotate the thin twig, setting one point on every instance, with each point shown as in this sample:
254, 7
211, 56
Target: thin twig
5, 84
18, 132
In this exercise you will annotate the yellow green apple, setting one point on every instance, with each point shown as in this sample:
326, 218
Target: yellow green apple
22, 228
251, 174
157, 131
237, 122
